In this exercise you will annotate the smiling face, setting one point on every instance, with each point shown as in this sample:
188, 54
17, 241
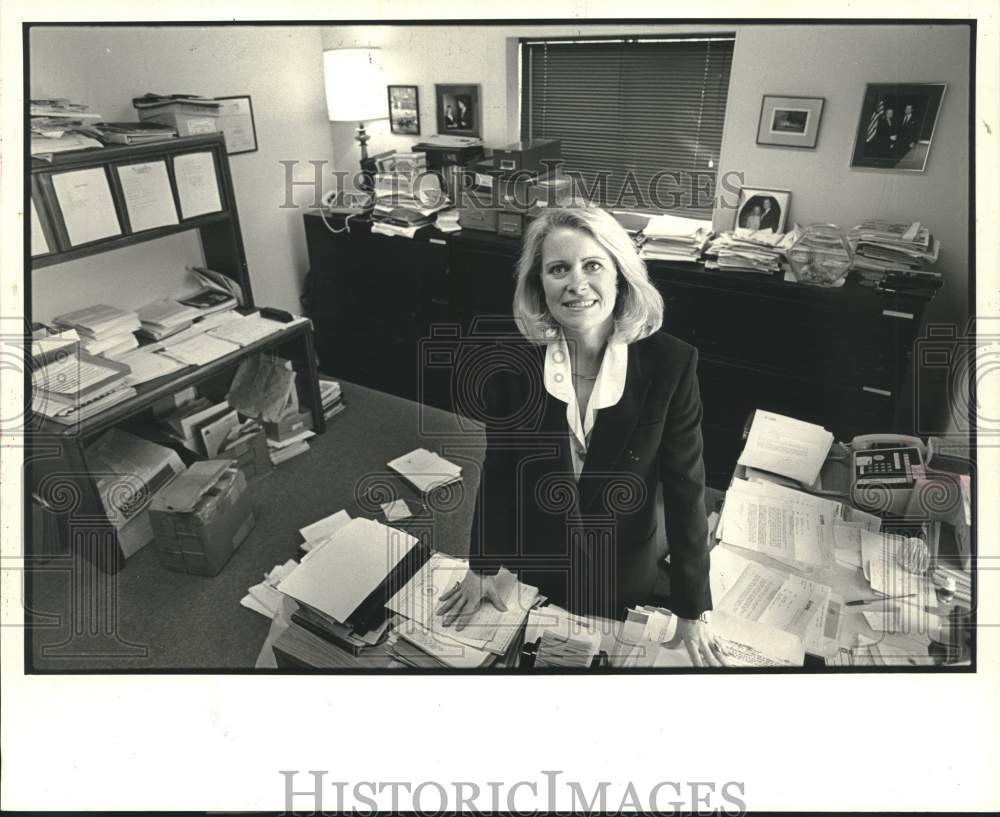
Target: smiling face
579, 279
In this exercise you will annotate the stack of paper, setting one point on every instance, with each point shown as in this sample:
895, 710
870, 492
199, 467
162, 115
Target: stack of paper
199, 350
791, 528
163, 318
53, 125
447, 221
104, 330
425, 470
146, 366
747, 643
786, 446
563, 639
743, 250
674, 238
487, 633
643, 631
282, 450
318, 532
331, 397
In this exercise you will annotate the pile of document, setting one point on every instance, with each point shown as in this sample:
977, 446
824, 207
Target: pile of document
343, 582
407, 197
331, 397
129, 133
201, 426
69, 387
425, 470
674, 238
166, 317
103, 330
489, 635
744, 250
895, 254
264, 597
53, 127
786, 446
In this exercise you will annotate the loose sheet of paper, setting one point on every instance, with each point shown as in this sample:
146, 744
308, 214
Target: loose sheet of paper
148, 198
752, 643
246, 330
199, 350
87, 208
324, 528
786, 446
197, 187
148, 366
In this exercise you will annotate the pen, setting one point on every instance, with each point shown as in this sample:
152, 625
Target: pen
880, 598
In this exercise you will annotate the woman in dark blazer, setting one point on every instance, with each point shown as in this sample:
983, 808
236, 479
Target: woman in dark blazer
585, 417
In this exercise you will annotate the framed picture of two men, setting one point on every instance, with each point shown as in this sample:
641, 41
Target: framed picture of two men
897, 124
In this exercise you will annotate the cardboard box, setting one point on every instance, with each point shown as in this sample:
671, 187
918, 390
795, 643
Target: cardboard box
251, 455
289, 426
201, 517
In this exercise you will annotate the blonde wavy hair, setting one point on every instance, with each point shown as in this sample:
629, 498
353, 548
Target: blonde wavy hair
638, 307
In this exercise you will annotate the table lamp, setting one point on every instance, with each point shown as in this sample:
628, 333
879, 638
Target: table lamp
355, 89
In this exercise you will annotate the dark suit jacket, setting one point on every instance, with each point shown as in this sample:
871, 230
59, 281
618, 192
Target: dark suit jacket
591, 546
769, 220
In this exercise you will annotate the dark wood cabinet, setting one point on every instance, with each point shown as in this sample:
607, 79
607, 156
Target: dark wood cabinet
393, 314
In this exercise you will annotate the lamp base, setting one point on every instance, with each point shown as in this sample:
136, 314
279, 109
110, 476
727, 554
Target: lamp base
362, 138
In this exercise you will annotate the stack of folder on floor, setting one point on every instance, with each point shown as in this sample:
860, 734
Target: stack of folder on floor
331, 397
490, 637
104, 330
674, 238
341, 587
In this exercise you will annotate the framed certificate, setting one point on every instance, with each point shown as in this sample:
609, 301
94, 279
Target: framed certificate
236, 122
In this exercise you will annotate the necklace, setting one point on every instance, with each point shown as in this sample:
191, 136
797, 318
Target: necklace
585, 377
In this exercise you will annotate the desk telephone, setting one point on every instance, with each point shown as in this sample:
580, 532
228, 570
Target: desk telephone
884, 470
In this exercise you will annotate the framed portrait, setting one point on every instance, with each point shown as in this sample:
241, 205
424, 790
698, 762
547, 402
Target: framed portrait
404, 109
236, 123
789, 121
762, 208
896, 125
459, 110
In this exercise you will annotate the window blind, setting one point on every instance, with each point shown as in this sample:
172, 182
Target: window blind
644, 115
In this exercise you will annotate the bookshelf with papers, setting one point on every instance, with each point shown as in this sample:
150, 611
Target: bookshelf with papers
91, 201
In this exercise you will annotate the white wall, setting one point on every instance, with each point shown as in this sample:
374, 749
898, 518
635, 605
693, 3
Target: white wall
279, 67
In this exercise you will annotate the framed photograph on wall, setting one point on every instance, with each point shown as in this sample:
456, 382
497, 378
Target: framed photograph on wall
896, 125
789, 121
236, 122
404, 109
763, 208
459, 110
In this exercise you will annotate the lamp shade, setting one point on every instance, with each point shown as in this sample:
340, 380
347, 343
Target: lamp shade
355, 86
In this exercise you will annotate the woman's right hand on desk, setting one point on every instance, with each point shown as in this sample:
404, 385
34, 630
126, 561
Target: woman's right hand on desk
467, 596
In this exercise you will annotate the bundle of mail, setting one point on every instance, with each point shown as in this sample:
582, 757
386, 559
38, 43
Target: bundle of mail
488, 636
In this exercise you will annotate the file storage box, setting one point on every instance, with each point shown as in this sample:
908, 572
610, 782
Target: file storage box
201, 517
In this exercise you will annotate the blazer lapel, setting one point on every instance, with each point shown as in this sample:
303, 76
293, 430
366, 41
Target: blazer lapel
612, 428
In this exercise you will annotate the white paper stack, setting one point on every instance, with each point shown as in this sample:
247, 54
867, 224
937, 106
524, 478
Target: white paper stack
103, 330
786, 446
743, 250
674, 238
426, 470
165, 317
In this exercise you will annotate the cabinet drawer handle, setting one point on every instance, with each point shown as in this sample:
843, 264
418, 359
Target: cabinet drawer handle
892, 313
873, 390
437, 241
